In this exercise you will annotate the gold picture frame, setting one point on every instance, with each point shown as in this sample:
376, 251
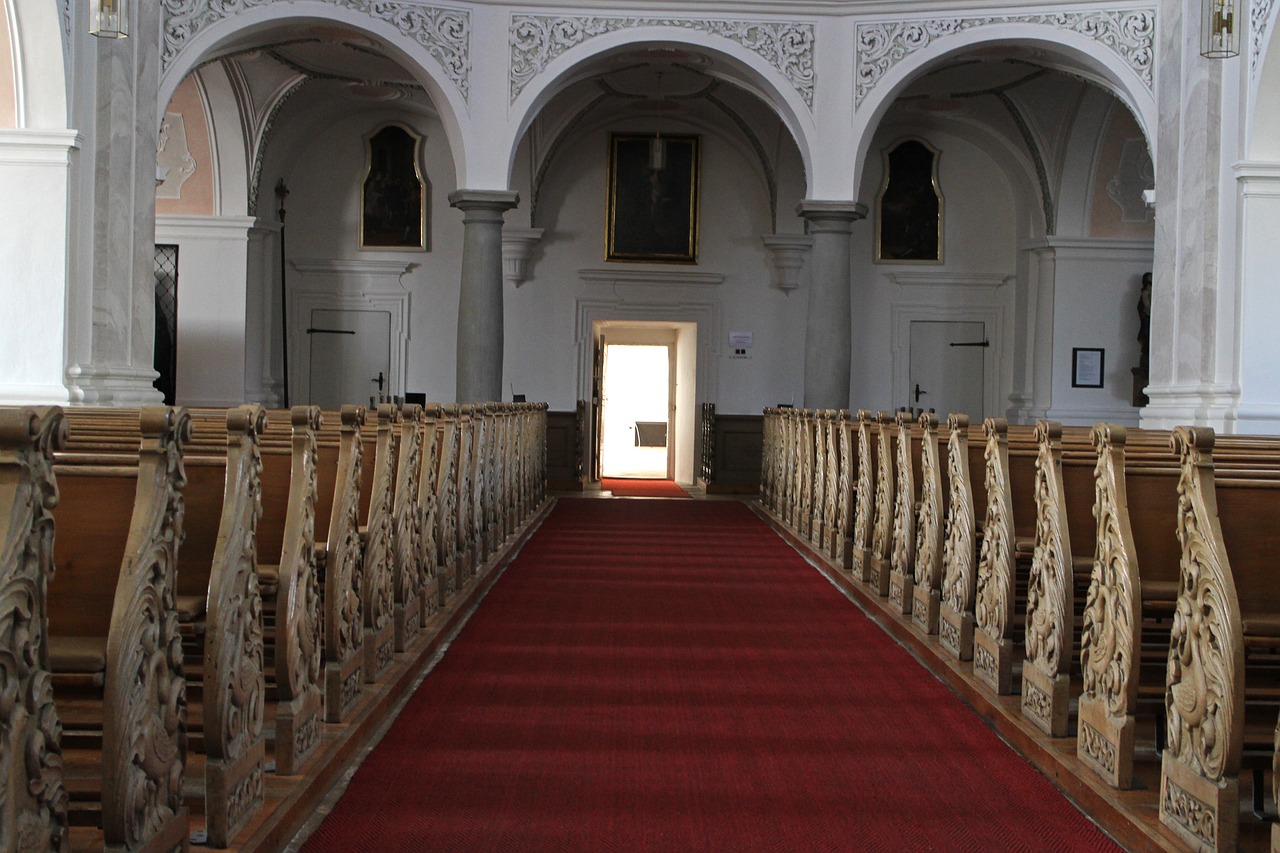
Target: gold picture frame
909, 208
394, 191
652, 203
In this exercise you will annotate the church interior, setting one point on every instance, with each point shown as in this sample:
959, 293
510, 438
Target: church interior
431, 229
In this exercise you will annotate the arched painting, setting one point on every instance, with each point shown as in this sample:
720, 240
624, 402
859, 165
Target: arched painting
393, 198
909, 210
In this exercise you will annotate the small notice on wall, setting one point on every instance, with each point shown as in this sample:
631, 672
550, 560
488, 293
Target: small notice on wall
740, 344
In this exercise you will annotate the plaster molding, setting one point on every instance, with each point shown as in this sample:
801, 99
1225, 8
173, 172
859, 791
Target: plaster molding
788, 253
352, 266
183, 226
517, 248
1259, 18
660, 277
990, 280
19, 147
1129, 33
444, 32
536, 40
66, 25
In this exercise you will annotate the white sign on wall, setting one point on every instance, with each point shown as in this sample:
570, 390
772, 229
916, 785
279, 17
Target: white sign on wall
740, 344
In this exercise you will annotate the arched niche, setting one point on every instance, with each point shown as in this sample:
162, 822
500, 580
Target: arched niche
260, 23
749, 69
880, 84
909, 207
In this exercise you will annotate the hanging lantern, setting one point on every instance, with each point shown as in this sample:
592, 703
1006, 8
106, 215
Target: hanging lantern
1218, 29
109, 19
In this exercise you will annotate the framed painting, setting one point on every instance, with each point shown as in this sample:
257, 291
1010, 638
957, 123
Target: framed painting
652, 205
393, 197
909, 209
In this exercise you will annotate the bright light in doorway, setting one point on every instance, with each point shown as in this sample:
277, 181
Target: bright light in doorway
636, 403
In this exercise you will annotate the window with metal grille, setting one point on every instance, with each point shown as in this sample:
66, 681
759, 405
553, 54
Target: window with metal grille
166, 345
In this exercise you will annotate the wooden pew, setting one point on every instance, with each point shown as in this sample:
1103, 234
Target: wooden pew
881, 556
864, 496
816, 520
926, 588
430, 582
1061, 567
965, 477
1007, 544
447, 502
408, 572
377, 569
841, 549
339, 560
34, 800
1225, 636
115, 642
902, 574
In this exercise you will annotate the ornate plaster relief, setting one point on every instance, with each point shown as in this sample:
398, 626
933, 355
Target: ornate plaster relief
445, 33
1259, 17
536, 40
1129, 33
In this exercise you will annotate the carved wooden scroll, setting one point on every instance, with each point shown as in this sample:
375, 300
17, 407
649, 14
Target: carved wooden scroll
447, 512
882, 528
343, 619
428, 551
407, 524
497, 464
33, 810
842, 550
299, 617
862, 520
903, 549
768, 439
804, 473
993, 607
926, 592
1046, 674
469, 531
832, 469
1204, 694
1112, 623
377, 577
234, 673
959, 583
482, 493
144, 731
818, 485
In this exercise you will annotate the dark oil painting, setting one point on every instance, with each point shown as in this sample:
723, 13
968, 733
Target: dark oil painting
653, 198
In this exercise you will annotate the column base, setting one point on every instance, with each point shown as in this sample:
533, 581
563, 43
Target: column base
114, 385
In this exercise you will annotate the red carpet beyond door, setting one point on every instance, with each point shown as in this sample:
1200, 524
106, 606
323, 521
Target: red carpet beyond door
623, 488
663, 676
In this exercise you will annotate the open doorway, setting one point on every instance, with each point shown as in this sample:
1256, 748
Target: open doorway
635, 411
642, 394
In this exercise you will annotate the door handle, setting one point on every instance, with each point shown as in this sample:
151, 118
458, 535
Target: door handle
919, 393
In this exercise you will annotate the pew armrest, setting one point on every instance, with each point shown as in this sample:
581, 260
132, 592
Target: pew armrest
77, 655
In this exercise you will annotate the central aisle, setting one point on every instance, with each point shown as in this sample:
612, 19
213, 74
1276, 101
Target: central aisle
671, 676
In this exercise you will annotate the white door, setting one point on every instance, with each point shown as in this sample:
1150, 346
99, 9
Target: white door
948, 368
635, 422
350, 355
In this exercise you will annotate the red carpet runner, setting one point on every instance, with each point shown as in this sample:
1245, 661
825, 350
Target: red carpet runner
670, 676
622, 488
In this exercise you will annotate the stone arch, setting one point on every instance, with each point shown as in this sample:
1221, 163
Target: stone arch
40, 76
534, 84
446, 83
890, 56
1263, 140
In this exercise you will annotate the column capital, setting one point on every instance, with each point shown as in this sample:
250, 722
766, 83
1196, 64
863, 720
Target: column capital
825, 215
488, 201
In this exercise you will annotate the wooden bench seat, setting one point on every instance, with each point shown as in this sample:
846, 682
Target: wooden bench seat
117, 529
1060, 570
1007, 548
965, 478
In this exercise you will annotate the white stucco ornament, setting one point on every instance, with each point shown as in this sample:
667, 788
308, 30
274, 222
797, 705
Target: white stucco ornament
536, 40
1259, 17
1129, 33
445, 33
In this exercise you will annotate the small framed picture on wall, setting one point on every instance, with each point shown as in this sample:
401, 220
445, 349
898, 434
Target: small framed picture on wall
1087, 364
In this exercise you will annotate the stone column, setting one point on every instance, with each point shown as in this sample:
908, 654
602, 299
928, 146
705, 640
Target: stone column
1193, 300
115, 366
828, 342
480, 339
